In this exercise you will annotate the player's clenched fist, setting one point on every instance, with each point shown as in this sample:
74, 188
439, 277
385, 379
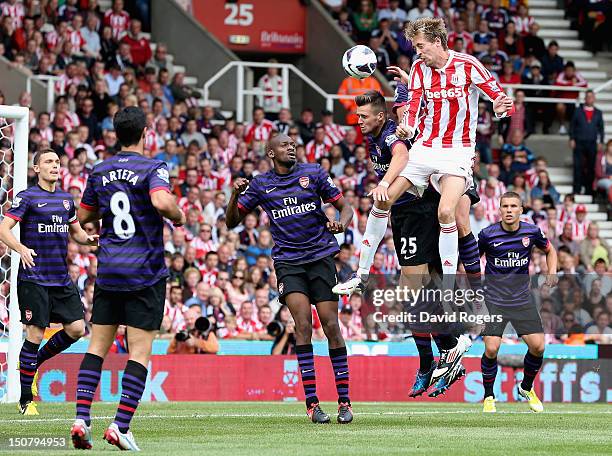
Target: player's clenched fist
404, 131
335, 227
503, 104
240, 185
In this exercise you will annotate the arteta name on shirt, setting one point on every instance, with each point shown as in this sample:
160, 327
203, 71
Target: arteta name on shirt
120, 174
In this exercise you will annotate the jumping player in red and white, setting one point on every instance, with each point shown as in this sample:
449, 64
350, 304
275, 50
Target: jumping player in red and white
442, 110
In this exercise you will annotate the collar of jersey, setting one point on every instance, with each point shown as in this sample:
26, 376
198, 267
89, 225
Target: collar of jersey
127, 152
46, 191
450, 57
285, 175
511, 232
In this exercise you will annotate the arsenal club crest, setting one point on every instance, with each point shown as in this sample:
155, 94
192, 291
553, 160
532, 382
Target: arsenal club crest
281, 287
526, 241
66, 204
304, 181
28, 315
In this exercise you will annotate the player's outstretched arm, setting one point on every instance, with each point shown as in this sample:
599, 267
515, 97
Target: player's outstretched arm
233, 216
87, 215
346, 216
12, 243
166, 205
80, 236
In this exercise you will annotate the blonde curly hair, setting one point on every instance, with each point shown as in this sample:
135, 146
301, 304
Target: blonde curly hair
430, 28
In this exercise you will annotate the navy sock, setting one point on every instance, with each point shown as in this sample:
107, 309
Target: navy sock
59, 342
339, 361
87, 383
532, 365
423, 345
488, 367
27, 369
132, 387
445, 341
470, 257
305, 358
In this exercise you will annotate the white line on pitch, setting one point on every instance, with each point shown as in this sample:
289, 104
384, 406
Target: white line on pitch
292, 415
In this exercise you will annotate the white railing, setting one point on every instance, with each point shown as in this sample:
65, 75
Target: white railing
285, 68
55, 86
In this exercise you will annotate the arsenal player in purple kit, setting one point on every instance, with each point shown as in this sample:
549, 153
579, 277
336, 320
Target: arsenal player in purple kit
46, 215
130, 193
303, 253
507, 247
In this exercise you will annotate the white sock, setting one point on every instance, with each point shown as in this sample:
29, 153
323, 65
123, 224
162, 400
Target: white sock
374, 233
449, 247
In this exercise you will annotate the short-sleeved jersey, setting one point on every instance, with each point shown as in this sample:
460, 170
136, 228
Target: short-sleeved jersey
44, 218
293, 204
508, 253
380, 149
131, 241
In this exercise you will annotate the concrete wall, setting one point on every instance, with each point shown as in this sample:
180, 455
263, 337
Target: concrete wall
194, 47
13, 82
326, 44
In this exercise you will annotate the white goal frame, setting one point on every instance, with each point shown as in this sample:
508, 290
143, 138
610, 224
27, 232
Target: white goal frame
21, 117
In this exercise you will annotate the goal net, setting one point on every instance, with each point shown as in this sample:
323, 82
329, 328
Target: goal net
14, 129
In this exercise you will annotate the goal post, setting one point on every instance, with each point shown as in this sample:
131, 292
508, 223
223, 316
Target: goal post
14, 130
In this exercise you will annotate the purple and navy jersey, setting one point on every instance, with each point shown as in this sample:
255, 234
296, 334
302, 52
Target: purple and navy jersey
380, 149
293, 204
508, 254
44, 218
131, 255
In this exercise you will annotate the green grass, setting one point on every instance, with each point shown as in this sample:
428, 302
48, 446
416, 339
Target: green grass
256, 428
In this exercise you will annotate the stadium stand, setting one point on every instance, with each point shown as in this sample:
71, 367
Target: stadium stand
106, 62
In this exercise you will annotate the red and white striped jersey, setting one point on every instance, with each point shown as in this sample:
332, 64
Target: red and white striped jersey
185, 205
499, 190
348, 182
213, 182
76, 39
248, 326
79, 182
523, 24
334, 134
209, 277
203, 247
566, 215
579, 230
261, 132
119, 23
315, 151
491, 207
390, 262
175, 314
450, 96
71, 120
46, 133
16, 11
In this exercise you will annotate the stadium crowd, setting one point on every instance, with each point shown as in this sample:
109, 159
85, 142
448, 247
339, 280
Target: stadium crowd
105, 63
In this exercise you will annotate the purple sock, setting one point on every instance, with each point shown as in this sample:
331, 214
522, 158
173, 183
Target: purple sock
59, 342
87, 383
132, 387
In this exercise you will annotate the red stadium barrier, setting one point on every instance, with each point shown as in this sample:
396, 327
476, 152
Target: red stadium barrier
276, 378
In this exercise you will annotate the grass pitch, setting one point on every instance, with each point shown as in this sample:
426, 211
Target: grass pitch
256, 428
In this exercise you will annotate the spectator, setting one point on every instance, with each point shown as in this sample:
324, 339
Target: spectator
484, 132
284, 124
569, 77
197, 342
161, 59
247, 327
347, 327
494, 55
522, 156
593, 248
470, 16
519, 185
344, 22
364, 20
482, 38
601, 333
490, 200
586, 128
383, 41
192, 134
419, 11
603, 171
512, 44
284, 343
352, 87
334, 133
140, 48
523, 20
395, 15
552, 63
521, 121
118, 19
271, 82
580, 225
496, 17
546, 190
478, 220
532, 43
260, 130
460, 32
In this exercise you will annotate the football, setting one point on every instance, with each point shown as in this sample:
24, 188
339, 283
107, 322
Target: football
359, 62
